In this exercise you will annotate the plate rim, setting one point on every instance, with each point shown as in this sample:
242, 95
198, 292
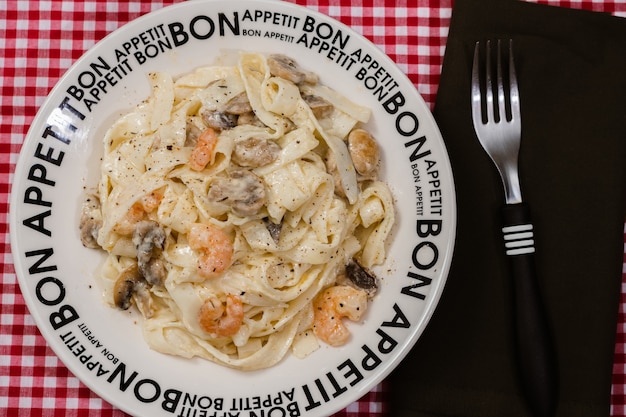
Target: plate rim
47, 105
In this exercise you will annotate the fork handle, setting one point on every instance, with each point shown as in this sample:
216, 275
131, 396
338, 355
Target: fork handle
535, 350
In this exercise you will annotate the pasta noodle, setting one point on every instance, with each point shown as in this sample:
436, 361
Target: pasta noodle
233, 213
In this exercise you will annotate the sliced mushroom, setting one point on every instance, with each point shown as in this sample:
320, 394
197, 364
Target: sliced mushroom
124, 287
219, 120
90, 222
249, 119
238, 105
149, 239
273, 228
320, 107
361, 277
154, 271
364, 151
193, 133
129, 286
254, 152
242, 190
89, 233
143, 300
285, 67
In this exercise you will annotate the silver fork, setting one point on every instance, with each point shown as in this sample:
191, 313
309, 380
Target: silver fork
498, 126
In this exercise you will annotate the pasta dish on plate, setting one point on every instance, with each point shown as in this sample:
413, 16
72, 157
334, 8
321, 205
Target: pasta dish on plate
241, 213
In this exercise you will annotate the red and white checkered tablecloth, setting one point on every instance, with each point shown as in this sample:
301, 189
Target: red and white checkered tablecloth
41, 39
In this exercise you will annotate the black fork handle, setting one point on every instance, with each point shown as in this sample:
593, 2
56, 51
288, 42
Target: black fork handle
535, 348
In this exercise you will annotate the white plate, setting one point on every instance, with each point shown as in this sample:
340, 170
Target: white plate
104, 347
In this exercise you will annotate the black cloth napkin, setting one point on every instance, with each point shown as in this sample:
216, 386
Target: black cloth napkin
571, 66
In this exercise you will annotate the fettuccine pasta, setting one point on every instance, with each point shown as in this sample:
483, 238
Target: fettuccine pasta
241, 213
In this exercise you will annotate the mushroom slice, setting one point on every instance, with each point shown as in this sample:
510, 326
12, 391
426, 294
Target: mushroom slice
90, 222
364, 151
131, 286
361, 277
242, 190
124, 287
149, 238
238, 105
320, 107
193, 133
273, 228
219, 120
89, 233
285, 67
249, 118
143, 300
254, 152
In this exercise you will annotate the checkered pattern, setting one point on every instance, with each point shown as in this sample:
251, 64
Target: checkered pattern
41, 39
618, 397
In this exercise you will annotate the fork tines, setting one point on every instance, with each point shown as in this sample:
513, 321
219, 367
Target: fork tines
505, 85
497, 121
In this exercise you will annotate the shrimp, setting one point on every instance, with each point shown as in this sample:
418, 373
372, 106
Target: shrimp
204, 152
134, 215
219, 320
150, 202
137, 212
215, 247
330, 306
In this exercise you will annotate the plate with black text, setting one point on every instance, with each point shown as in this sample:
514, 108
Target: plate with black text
233, 208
